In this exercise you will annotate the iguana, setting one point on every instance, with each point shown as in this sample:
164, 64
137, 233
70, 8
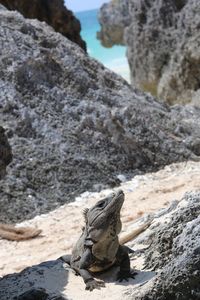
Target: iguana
98, 247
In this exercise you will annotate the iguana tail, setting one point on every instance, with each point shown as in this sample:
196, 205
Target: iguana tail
123, 239
10, 232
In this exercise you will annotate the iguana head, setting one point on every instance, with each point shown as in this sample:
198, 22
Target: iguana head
104, 217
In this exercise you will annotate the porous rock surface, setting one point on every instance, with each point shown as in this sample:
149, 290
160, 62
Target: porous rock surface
174, 253
113, 18
162, 42
74, 125
53, 12
5, 152
173, 242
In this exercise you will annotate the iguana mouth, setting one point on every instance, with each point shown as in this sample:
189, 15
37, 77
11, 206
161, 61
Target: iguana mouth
116, 201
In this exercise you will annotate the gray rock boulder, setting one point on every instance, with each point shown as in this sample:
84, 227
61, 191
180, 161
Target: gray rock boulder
173, 252
163, 43
113, 18
53, 12
45, 281
150, 40
73, 124
179, 82
162, 39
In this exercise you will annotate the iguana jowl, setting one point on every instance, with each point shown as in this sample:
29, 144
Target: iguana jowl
98, 247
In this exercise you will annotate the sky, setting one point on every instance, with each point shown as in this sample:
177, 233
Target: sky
80, 5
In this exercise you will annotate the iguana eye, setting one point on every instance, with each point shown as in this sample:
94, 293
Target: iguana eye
101, 204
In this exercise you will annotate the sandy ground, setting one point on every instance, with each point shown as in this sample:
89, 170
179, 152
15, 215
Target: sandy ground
61, 228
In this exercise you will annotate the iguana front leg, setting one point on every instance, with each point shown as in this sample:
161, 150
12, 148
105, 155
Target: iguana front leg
90, 282
85, 262
124, 263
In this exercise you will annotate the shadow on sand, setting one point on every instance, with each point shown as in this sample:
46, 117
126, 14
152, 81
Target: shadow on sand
47, 281
141, 277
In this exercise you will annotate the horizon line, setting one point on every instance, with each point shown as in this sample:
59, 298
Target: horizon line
78, 11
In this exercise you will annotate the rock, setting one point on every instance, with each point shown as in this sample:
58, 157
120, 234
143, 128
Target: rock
179, 82
5, 152
162, 39
33, 294
149, 40
54, 13
113, 18
174, 253
73, 123
35, 283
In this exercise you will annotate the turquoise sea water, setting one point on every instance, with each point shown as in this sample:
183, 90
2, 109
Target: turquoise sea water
113, 58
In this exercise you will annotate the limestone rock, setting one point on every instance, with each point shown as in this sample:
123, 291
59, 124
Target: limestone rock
162, 39
74, 124
113, 18
179, 82
53, 12
163, 43
174, 253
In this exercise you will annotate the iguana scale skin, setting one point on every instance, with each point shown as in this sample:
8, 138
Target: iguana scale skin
98, 247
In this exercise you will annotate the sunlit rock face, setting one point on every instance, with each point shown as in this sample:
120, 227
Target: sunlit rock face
53, 12
113, 17
173, 253
162, 39
163, 42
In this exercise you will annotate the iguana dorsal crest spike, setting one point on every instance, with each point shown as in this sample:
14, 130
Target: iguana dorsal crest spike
85, 211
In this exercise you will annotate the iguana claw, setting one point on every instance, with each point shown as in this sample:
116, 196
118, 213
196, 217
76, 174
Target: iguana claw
125, 275
94, 284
